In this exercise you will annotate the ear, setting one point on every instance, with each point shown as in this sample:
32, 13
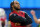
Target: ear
12, 6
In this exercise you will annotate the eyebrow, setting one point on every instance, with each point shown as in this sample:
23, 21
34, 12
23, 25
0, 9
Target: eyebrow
17, 3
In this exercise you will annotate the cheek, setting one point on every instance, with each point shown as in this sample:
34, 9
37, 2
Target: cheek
16, 6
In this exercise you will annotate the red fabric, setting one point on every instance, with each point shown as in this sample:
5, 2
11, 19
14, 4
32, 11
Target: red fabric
2, 19
19, 14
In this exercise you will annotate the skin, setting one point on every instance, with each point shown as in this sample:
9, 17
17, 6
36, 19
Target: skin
34, 17
28, 25
16, 5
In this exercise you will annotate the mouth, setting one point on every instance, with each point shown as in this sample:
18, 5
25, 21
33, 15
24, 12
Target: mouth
18, 6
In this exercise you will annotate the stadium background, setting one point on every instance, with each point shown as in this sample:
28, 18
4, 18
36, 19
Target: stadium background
26, 5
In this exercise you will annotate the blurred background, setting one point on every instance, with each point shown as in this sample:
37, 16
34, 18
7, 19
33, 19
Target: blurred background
26, 5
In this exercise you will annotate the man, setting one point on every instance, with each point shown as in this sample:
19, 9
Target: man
3, 20
35, 18
17, 17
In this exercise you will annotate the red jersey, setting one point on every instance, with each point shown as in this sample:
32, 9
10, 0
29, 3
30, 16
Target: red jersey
22, 14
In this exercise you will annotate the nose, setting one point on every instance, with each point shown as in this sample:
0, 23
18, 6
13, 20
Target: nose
18, 5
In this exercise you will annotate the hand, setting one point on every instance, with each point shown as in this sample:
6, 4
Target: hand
17, 24
32, 12
29, 25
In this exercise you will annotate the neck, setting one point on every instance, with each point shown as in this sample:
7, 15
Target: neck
16, 10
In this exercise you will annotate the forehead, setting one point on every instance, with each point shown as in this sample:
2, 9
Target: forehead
16, 2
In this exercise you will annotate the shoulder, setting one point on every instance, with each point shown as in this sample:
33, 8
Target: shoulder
10, 13
24, 12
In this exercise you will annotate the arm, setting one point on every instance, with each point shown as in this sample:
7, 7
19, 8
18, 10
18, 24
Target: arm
17, 19
28, 18
34, 17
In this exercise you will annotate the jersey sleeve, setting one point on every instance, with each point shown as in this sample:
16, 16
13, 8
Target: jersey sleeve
17, 19
28, 18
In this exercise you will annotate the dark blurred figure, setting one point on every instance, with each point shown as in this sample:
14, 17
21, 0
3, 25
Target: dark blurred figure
3, 20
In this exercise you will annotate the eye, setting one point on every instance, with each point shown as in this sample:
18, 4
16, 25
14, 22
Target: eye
16, 3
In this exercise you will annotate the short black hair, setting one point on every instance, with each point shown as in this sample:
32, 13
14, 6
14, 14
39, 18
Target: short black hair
12, 3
